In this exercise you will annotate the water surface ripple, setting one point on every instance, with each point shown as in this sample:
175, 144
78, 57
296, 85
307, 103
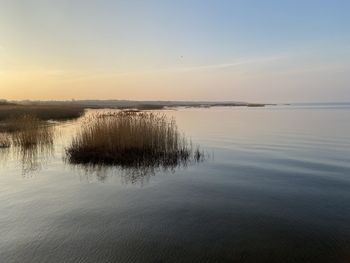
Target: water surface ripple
276, 188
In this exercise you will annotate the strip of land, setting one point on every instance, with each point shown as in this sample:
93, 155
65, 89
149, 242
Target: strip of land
65, 110
133, 104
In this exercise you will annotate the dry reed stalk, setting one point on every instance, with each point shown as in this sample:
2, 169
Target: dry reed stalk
5, 141
30, 131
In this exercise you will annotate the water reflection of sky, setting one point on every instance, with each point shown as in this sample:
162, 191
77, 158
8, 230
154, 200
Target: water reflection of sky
276, 190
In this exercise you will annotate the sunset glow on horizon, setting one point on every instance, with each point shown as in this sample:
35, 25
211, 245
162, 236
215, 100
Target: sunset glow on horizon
269, 51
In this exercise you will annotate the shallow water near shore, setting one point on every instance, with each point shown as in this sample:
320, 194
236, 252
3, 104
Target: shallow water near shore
274, 188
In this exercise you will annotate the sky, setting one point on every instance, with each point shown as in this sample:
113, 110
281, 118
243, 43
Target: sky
221, 50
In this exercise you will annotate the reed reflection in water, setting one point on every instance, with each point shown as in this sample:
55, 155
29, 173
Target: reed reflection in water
31, 159
132, 174
34, 158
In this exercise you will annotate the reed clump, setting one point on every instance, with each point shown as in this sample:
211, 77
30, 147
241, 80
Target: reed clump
30, 131
131, 139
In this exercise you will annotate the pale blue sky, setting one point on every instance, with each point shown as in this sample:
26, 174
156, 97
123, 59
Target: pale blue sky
273, 51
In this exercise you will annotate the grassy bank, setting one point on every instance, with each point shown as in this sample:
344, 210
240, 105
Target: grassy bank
41, 112
131, 139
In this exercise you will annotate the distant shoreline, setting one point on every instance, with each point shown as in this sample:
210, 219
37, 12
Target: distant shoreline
132, 104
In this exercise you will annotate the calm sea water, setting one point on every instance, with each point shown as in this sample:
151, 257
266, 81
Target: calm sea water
275, 188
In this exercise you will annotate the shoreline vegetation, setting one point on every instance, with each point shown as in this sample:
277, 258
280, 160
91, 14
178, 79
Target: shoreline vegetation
67, 110
9, 112
132, 139
28, 126
30, 132
118, 104
25, 132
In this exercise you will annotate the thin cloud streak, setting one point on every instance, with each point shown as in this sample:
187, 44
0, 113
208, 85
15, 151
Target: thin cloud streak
207, 67
230, 64
82, 74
